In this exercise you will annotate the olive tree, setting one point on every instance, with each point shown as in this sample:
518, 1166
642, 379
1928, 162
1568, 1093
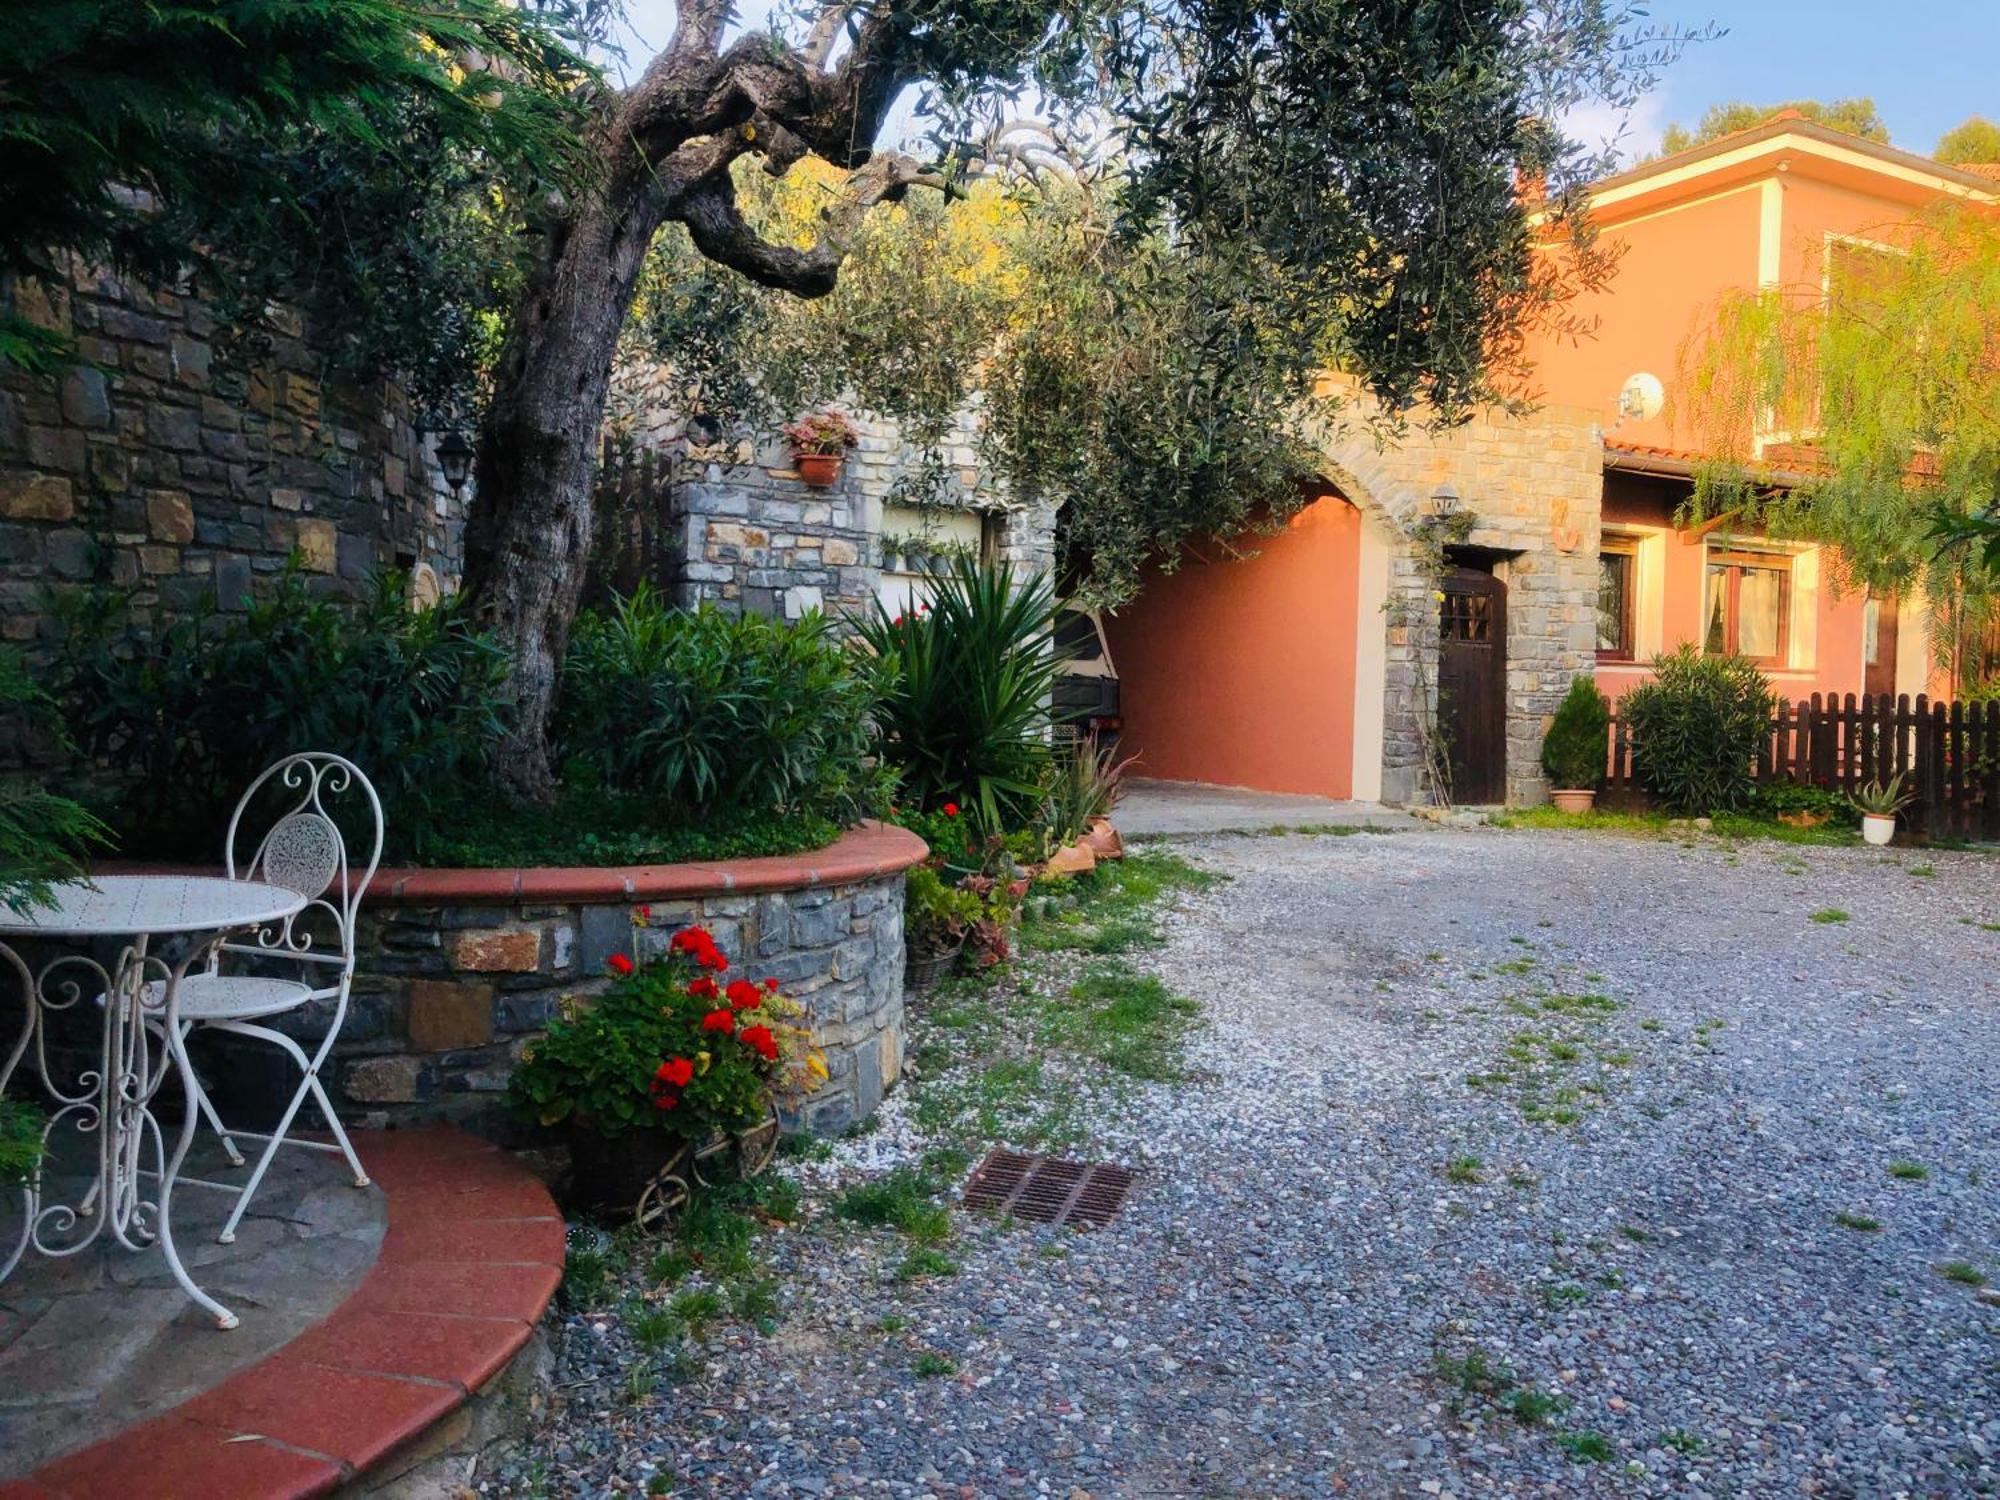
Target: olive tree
1356, 170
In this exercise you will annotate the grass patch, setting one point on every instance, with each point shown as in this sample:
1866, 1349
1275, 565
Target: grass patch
1861, 1222
925, 1262
1566, 1294
1473, 1373
931, 1365
1130, 1022
1829, 914
1657, 825
1463, 1169
1680, 1440
1909, 1171
1532, 1408
1114, 904
904, 1199
1964, 1272
1586, 1447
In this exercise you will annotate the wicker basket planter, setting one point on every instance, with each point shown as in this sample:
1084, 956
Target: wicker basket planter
924, 967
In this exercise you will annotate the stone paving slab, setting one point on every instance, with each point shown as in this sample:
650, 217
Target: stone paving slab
419, 1297
1189, 809
95, 1342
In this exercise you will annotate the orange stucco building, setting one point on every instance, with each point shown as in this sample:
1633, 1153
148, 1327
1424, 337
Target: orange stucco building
1311, 665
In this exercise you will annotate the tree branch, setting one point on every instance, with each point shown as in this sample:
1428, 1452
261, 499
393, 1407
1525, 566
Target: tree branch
716, 224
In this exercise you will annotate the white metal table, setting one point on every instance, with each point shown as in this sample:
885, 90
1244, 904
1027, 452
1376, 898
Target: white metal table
141, 1039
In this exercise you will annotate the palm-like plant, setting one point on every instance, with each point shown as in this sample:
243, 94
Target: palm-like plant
964, 687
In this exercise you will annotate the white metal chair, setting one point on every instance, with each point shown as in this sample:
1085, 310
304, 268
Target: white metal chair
302, 851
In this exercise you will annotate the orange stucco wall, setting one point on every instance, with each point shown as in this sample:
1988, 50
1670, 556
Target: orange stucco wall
1836, 663
1241, 672
1673, 266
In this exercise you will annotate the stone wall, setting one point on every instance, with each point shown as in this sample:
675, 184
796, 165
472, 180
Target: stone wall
156, 467
461, 969
751, 534
1533, 487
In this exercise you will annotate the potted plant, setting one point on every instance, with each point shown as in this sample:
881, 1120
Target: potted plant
819, 445
937, 919
1574, 749
672, 1066
1878, 804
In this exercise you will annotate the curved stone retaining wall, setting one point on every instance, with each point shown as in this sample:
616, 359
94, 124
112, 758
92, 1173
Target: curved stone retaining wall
461, 969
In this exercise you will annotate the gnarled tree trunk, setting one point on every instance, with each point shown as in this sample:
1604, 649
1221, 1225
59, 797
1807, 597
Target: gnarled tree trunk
668, 145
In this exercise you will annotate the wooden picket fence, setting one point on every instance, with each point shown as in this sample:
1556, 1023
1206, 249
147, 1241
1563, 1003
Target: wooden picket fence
1947, 754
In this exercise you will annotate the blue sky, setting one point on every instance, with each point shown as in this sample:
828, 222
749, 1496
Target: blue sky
1926, 63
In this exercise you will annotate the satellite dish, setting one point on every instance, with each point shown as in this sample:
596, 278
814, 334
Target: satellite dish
1641, 397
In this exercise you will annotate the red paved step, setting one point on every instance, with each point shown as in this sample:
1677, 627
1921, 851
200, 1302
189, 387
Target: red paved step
472, 1255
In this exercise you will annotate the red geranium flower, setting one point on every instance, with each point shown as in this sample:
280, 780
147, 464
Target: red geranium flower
699, 944
702, 988
620, 964
771, 986
676, 1072
743, 995
665, 1100
645, 913
759, 1040
719, 1020
951, 809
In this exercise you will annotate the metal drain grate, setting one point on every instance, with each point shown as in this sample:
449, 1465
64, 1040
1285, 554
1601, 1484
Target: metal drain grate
1049, 1190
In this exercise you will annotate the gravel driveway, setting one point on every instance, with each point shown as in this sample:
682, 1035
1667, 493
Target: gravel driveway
1516, 1163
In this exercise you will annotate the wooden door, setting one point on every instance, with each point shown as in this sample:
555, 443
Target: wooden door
1472, 684
1879, 669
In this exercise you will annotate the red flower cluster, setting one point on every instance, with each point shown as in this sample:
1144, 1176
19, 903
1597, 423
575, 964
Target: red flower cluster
619, 963
703, 988
699, 943
673, 1075
723, 1021
743, 995
951, 809
759, 1040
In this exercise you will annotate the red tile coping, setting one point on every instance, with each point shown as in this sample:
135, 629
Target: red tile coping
864, 853
473, 1252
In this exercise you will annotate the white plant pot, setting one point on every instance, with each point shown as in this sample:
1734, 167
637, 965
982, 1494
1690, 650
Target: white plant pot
1877, 829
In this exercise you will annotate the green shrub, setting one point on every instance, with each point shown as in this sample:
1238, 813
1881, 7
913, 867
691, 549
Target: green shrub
1578, 742
43, 838
964, 686
20, 1141
1696, 730
715, 716
1777, 799
178, 720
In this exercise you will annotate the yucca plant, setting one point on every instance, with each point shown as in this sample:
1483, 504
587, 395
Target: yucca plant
1085, 784
964, 686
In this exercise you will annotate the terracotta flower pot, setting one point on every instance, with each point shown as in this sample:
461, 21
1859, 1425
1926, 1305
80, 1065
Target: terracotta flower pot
1573, 799
1103, 840
1071, 859
818, 469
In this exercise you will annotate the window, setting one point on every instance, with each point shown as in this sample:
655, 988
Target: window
1749, 606
1617, 584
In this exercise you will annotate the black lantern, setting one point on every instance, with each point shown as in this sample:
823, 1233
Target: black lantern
454, 456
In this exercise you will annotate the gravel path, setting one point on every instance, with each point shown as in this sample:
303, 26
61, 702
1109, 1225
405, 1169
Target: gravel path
1487, 1126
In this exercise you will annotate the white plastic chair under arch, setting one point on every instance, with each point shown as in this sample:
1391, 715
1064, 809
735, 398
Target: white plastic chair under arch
302, 851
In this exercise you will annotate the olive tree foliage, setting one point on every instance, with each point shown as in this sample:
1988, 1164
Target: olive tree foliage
1886, 390
1855, 116
370, 162
1975, 140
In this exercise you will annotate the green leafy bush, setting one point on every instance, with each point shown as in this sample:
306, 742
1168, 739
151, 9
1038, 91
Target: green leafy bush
1578, 742
964, 685
180, 718
20, 1141
1696, 730
43, 837
714, 716
1782, 799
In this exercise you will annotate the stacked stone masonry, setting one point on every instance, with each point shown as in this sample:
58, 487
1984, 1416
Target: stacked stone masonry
447, 997
154, 465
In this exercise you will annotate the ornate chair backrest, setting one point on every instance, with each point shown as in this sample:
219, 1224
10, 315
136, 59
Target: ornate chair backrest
304, 850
